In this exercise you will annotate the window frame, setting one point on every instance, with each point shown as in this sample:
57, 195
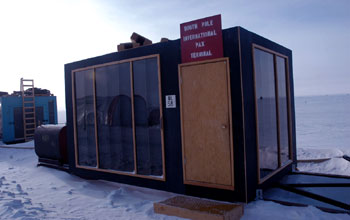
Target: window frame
289, 116
97, 168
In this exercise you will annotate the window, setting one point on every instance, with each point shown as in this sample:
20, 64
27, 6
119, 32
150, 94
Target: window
266, 106
272, 111
114, 119
147, 117
85, 123
283, 109
120, 104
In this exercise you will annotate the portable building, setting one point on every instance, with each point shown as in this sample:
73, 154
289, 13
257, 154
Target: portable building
11, 114
220, 128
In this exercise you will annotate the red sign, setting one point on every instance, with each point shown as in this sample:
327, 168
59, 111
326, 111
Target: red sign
201, 39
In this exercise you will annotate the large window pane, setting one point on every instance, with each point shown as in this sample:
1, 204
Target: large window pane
85, 119
266, 109
114, 117
147, 117
283, 109
126, 104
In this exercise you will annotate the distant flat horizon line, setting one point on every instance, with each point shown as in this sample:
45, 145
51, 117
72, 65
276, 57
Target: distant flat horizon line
317, 95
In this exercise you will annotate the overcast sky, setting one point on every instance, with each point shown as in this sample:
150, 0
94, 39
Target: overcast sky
38, 37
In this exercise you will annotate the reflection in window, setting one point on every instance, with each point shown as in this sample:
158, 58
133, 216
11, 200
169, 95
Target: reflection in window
127, 110
272, 111
114, 117
283, 109
85, 119
266, 110
147, 117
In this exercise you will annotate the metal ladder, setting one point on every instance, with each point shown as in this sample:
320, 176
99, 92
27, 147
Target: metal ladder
28, 106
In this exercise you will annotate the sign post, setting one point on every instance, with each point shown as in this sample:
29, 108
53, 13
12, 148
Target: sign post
201, 39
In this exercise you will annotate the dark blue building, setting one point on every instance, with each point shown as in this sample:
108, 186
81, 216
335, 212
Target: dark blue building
219, 128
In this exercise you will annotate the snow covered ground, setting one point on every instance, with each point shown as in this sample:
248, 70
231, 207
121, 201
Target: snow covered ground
29, 192
323, 131
335, 163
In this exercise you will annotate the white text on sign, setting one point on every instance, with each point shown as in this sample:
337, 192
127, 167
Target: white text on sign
207, 23
200, 44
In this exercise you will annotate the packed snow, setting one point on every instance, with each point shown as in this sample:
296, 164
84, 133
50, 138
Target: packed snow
334, 163
323, 132
30, 192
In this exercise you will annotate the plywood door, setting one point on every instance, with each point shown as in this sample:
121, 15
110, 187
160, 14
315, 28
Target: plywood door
206, 124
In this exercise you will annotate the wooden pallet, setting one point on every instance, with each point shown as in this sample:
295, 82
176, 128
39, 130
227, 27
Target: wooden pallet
196, 208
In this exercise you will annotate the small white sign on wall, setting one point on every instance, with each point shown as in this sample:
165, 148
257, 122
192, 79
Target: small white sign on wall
170, 101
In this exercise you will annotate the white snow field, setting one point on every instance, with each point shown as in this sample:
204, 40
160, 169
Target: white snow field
29, 192
323, 131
